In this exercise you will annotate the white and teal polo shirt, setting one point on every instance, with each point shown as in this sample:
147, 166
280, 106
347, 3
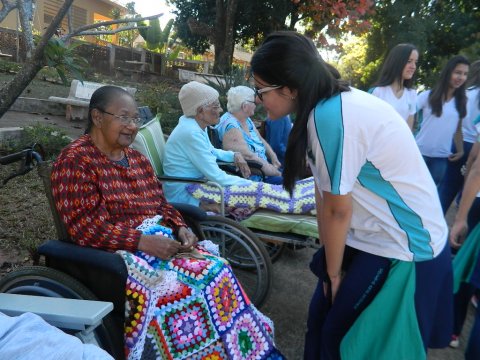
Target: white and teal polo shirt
358, 144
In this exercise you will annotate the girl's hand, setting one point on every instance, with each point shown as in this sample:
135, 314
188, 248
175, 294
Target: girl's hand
334, 285
456, 156
458, 233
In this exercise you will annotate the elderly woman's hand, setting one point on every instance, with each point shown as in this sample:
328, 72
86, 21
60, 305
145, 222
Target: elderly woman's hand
275, 162
159, 246
242, 165
187, 238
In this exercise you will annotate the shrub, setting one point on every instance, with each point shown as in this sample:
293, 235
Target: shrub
50, 138
162, 99
9, 67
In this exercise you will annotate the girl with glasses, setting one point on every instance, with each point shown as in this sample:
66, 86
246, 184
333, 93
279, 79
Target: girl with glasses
385, 266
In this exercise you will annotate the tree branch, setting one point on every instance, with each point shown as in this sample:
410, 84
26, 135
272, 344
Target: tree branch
110, 32
12, 90
6, 8
82, 29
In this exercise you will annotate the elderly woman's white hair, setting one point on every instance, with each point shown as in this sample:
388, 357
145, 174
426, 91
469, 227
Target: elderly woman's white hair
237, 95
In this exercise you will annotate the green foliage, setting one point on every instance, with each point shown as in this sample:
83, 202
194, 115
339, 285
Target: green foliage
9, 66
155, 37
154, 34
352, 62
162, 99
62, 58
50, 138
237, 76
115, 13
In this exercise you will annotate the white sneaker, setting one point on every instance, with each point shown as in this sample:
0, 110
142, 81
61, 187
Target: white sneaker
474, 301
454, 343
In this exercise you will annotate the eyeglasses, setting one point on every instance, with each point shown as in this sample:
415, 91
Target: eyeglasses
250, 101
260, 92
125, 120
214, 106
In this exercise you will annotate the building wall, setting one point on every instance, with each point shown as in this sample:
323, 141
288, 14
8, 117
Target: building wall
82, 10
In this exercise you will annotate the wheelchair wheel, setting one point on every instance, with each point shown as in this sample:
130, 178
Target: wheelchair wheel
247, 255
44, 281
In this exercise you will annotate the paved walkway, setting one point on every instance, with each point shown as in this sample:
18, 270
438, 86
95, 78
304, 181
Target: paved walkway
20, 119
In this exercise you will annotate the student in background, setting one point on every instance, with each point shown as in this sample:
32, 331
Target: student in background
276, 134
440, 112
452, 183
395, 84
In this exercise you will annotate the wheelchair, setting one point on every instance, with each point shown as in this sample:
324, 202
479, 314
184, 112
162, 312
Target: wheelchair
72, 271
275, 231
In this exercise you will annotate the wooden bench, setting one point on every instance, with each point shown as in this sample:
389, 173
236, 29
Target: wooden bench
79, 98
83, 316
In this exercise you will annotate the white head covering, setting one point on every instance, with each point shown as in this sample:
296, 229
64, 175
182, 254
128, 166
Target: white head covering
237, 95
195, 94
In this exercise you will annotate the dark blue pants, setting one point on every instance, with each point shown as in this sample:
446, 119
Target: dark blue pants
461, 303
452, 182
473, 348
326, 324
365, 275
437, 167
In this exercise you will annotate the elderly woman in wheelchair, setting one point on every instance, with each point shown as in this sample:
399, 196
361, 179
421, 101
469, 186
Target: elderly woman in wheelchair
183, 300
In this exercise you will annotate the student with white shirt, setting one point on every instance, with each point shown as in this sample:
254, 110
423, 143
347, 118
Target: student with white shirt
384, 269
452, 183
467, 218
440, 114
395, 84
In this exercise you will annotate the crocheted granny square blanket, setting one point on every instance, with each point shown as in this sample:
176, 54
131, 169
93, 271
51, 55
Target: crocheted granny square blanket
189, 308
260, 195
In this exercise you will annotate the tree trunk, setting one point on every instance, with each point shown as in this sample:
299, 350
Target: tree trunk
224, 35
32, 66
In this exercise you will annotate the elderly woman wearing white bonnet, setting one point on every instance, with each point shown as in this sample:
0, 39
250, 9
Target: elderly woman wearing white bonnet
189, 152
237, 132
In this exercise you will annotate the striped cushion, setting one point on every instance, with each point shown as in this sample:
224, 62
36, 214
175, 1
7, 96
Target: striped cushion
151, 143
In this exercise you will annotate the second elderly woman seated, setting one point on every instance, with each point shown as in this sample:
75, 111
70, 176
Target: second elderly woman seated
237, 132
181, 301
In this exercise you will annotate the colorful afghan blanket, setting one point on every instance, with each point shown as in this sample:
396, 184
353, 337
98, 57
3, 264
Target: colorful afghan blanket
261, 195
189, 308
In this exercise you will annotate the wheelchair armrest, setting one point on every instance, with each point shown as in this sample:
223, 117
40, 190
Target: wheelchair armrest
189, 211
254, 164
103, 273
101, 259
181, 179
255, 167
